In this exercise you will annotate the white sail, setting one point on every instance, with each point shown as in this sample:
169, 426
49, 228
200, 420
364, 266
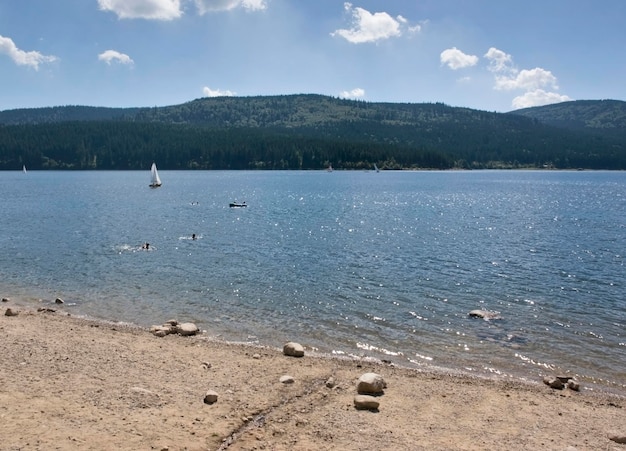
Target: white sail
24, 169
155, 180
375, 167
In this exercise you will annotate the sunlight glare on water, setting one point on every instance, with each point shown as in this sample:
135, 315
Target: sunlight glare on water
385, 265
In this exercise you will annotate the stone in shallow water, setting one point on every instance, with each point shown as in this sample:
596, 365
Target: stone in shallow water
554, 382
484, 314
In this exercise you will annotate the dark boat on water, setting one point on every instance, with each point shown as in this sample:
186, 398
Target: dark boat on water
237, 205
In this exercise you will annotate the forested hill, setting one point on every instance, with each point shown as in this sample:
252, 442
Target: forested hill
311, 132
64, 114
602, 115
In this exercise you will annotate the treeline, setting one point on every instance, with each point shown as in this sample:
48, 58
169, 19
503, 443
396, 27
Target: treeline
311, 132
123, 145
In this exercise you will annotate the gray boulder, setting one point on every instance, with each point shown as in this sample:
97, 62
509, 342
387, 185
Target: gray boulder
371, 383
187, 329
293, 349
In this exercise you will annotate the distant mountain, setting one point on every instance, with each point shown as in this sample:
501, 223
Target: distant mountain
580, 114
311, 131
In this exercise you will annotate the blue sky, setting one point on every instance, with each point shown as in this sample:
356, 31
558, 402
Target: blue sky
495, 55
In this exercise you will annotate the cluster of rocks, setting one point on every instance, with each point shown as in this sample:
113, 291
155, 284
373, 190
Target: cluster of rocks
560, 382
369, 387
290, 349
174, 327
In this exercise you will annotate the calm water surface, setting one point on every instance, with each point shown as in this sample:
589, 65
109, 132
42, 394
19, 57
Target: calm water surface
384, 265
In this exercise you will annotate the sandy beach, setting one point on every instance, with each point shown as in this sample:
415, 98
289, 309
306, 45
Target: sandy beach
68, 383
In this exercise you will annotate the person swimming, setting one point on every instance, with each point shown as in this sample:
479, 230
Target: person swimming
193, 236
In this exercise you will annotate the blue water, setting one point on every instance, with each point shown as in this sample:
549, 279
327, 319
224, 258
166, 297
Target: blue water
384, 265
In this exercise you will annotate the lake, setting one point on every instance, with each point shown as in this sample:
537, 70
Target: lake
350, 263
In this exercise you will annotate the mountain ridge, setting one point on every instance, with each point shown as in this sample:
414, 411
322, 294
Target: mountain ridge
307, 131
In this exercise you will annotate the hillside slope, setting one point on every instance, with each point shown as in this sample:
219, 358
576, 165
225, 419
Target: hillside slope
605, 115
312, 131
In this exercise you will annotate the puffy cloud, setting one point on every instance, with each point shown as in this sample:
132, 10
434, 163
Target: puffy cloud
22, 58
527, 79
538, 97
532, 81
143, 9
456, 59
205, 6
368, 27
356, 93
109, 56
499, 61
208, 92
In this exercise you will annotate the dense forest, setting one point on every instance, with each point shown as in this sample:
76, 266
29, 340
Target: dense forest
311, 132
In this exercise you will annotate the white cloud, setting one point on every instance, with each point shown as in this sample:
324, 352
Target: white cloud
205, 6
456, 59
527, 79
532, 81
499, 61
109, 56
538, 97
208, 92
143, 9
254, 4
368, 27
22, 58
356, 93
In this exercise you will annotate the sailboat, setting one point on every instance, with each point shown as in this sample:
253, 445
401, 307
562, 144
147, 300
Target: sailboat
375, 167
155, 181
24, 169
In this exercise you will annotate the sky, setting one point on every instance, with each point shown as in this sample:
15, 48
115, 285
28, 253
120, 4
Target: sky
493, 55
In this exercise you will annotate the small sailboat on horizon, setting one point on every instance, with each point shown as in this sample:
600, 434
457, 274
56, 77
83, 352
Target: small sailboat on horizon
155, 180
24, 168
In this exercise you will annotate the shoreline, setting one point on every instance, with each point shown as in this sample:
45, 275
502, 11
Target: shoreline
78, 383
605, 387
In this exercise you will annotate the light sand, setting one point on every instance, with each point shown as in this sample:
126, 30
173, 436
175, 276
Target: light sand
73, 384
